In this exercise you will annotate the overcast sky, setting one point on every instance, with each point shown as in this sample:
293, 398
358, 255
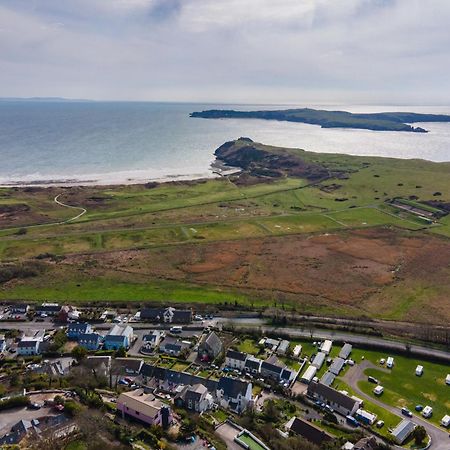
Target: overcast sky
264, 51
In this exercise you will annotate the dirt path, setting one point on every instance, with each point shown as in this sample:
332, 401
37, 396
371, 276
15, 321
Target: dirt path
439, 438
83, 210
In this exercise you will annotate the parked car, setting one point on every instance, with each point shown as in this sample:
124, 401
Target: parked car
406, 412
380, 424
419, 408
34, 406
373, 380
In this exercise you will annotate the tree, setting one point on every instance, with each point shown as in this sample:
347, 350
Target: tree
121, 352
419, 434
79, 353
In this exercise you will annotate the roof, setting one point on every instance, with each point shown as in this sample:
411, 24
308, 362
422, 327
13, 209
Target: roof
233, 354
286, 374
309, 373
345, 351
146, 404
118, 330
367, 443
78, 326
283, 346
133, 364
403, 430
232, 387
308, 431
89, 337
51, 307
253, 363
195, 392
178, 315
337, 365
28, 343
153, 336
327, 378
319, 359
271, 367
332, 395
212, 341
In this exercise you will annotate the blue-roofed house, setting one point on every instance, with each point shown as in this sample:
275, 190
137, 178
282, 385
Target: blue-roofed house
74, 330
90, 341
118, 337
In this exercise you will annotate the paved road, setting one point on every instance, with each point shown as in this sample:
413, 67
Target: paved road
439, 438
352, 338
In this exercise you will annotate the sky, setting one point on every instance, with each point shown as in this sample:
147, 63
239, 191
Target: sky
246, 51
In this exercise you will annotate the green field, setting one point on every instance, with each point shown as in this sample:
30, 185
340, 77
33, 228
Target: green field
152, 217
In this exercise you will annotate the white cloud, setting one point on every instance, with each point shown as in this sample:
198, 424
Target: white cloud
227, 50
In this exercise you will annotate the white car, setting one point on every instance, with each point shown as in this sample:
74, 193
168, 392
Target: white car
382, 361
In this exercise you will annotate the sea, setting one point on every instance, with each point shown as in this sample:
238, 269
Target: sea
84, 142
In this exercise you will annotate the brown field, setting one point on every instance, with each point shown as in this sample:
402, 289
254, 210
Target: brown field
381, 272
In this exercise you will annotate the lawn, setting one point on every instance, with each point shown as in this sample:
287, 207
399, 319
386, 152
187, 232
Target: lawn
248, 346
180, 366
250, 442
76, 445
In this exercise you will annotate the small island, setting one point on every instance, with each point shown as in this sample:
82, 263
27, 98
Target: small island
384, 121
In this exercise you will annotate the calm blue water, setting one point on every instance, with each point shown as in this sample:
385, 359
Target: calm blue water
123, 142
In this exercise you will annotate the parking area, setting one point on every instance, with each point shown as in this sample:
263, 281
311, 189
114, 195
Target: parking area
228, 433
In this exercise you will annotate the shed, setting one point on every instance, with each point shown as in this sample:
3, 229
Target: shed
309, 374
401, 432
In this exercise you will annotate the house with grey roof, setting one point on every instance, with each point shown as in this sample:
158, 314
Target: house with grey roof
90, 341
402, 431
328, 378
210, 347
270, 370
307, 430
172, 346
235, 359
252, 365
340, 402
130, 366
118, 337
152, 340
74, 330
234, 394
194, 398
166, 315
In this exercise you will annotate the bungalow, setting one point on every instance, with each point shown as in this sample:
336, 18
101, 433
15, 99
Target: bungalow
345, 352
49, 309
283, 347
74, 330
402, 431
154, 339
307, 430
366, 443
326, 346
2, 343
337, 365
194, 398
234, 394
145, 408
166, 315
341, 403
235, 359
210, 347
90, 341
28, 346
19, 431
252, 365
172, 346
318, 360
118, 337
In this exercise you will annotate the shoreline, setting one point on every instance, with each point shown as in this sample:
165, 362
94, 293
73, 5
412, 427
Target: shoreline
217, 169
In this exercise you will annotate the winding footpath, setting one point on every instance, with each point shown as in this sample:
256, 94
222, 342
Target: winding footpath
83, 210
439, 437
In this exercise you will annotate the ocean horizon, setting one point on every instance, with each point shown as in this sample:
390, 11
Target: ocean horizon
49, 142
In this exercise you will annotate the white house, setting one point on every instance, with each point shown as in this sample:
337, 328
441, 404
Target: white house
341, 403
234, 394
235, 359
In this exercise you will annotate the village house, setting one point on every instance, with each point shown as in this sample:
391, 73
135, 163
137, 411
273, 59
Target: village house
90, 341
28, 347
48, 309
145, 408
152, 341
194, 398
172, 346
210, 347
235, 359
100, 364
234, 394
307, 430
129, 366
74, 330
252, 365
166, 315
341, 403
118, 337
19, 308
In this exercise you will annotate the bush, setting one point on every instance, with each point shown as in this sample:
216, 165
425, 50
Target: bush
13, 402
